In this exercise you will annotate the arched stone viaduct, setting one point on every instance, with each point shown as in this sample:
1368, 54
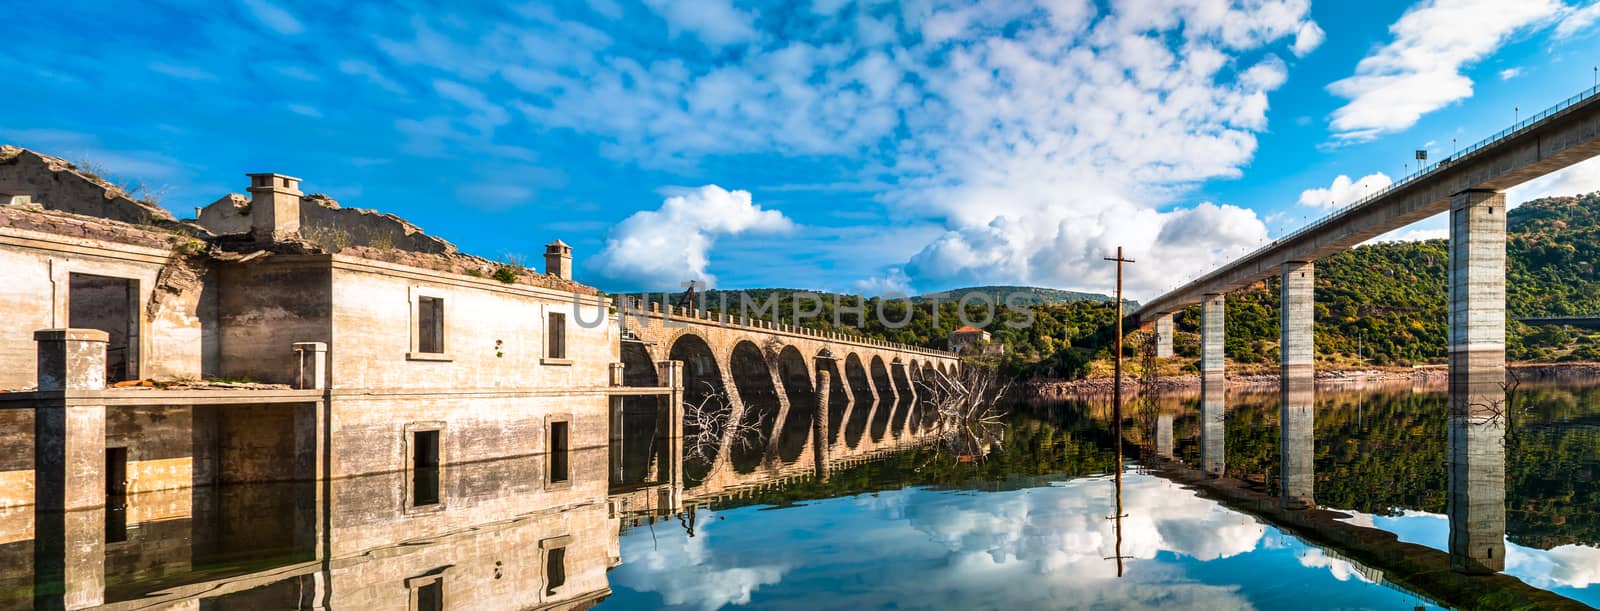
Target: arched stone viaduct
769, 375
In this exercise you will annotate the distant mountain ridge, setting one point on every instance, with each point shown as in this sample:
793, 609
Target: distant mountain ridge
1021, 295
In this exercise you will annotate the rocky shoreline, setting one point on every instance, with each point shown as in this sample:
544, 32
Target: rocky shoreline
1421, 376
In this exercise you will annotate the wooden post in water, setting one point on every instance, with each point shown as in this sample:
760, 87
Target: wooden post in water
1116, 407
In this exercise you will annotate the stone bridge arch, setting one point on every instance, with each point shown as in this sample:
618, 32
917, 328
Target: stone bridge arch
878, 370
702, 385
855, 374
797, 385
905, 397
643, 419
763, 404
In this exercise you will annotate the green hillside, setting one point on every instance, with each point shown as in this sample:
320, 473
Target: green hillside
1380, 304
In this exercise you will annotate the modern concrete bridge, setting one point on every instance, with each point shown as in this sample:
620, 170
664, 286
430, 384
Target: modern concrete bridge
1469, 185
799, 396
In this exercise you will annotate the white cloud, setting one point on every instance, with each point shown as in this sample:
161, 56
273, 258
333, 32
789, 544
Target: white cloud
1407, 234
1344, 191
274, 17
1578, 20
658, 249
1420, 70
1030, 133
355, 67
1307, 39
1578, 179
305, 110
715, 22
1509, 73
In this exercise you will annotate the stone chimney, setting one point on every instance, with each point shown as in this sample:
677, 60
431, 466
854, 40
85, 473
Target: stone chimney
558, 260
274, 207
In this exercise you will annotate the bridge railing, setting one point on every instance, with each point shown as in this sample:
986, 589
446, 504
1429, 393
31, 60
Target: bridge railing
757, 324
1421, 173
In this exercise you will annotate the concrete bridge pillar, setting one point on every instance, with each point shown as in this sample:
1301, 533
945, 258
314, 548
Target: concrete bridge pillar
69, 471
1212, 327
1297, 441
1476, 502
1164, 335
1213, 429
1297, 318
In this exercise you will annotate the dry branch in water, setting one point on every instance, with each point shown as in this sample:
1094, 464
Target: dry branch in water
707, 422
965, 409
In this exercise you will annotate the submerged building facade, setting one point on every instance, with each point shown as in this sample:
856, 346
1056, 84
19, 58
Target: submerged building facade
285, 403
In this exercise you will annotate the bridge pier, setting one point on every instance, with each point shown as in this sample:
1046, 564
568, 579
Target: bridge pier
1297, 319
1164, 435
819, 425
1297, 441
1213, 429
1476, 502
1212, 328
1164, 335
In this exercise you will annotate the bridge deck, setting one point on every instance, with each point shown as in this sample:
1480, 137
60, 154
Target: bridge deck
1549, 141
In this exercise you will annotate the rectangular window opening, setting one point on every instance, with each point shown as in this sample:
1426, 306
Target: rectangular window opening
430, 596
556, 336
430, 325
555, 570
110, 305
425, 468
559, 451
116, 495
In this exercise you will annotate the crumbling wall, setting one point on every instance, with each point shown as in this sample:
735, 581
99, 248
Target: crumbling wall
325, 223
266, 305
58, 185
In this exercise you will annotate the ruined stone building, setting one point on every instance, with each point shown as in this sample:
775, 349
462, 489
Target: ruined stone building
283, 378
285, 403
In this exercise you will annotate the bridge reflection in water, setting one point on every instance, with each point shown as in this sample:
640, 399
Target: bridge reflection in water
1409, 453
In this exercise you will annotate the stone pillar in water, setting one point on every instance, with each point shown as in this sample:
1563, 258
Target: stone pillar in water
1477, 494
819, 424
69, 471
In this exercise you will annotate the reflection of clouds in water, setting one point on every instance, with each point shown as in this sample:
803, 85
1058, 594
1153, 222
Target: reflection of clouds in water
1065, 529
1341, 569
683, 571
1574, 566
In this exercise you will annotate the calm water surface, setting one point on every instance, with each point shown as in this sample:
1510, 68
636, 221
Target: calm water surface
1029, 525
1217, 511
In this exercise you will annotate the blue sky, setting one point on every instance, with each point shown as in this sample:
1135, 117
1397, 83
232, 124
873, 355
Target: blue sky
828, 144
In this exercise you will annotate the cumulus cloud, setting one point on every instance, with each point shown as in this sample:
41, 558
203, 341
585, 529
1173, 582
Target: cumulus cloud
658, 249
1307, 39
1419, 71
1578, 179
1344, 191
1031, 132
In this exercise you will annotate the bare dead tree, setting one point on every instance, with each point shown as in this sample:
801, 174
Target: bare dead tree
965, 409
707, 422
